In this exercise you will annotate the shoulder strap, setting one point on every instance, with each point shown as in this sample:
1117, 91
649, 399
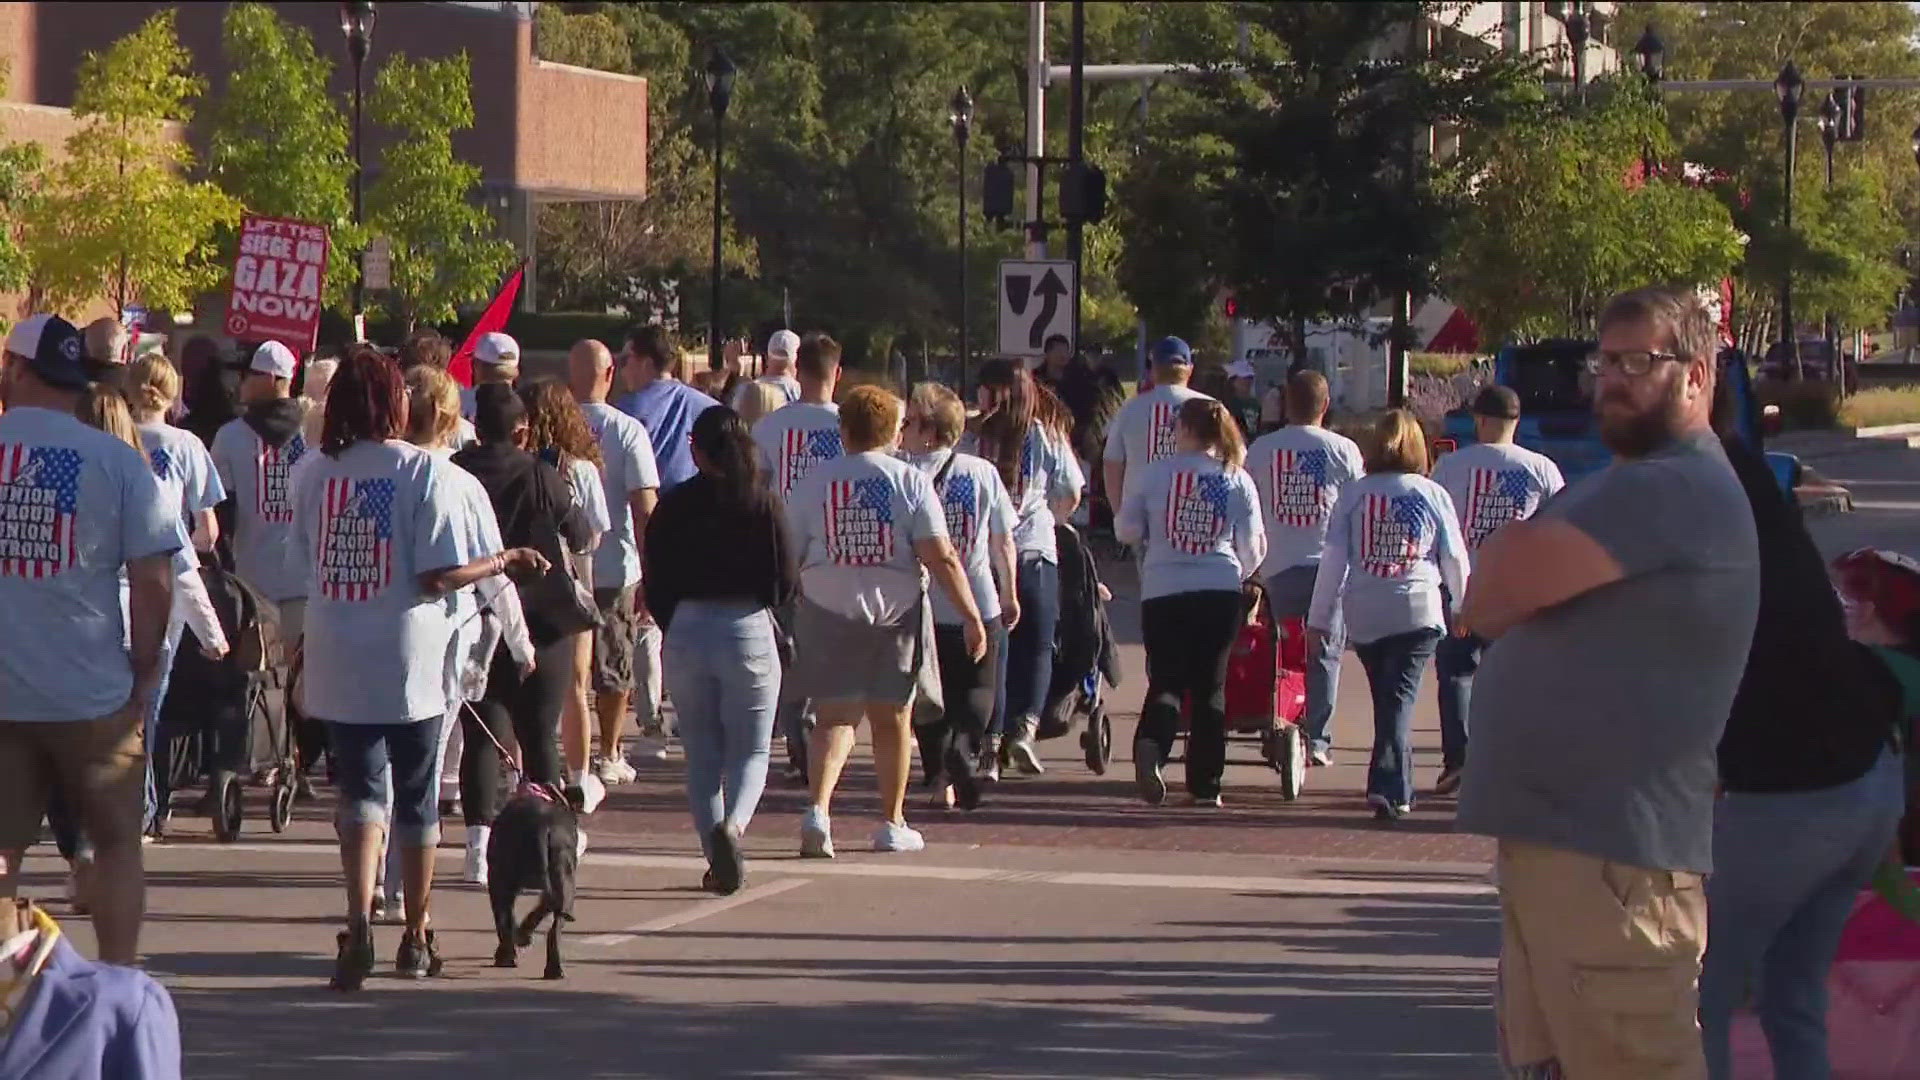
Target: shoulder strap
940, 475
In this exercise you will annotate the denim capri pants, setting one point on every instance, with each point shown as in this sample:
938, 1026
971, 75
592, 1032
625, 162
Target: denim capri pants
369, 757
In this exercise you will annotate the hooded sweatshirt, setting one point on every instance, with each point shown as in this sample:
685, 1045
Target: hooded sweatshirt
255, 456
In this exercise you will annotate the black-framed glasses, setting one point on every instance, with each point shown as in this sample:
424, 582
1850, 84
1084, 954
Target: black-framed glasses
1628, 361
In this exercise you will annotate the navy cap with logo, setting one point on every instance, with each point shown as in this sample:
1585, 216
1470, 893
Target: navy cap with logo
1171, 350
53, 349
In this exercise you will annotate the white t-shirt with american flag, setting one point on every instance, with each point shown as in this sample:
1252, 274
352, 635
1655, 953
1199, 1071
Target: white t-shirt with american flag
367, 523
1392, 543
76, 505
258, 476
1494, 483
979, 513
855, 521
1200, 522
1299, 471
1143, 431
793, 439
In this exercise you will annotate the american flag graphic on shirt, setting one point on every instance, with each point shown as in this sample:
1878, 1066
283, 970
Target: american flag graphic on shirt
1395, 533
162, 461
1495, 497
860, 521
356, 539
960, 499
272, 466
1196, 511
1303, 487
801, 450
1162, 435
39, 491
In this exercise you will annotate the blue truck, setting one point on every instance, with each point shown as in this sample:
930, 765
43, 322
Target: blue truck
1556, 408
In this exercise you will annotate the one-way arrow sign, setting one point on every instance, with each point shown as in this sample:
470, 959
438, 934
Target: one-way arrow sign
1036, 302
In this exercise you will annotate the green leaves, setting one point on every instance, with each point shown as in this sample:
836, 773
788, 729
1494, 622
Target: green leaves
444, 248
116, 217
279, 140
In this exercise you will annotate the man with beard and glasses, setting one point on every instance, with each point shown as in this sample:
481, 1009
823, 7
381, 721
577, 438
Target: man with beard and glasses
1620, 616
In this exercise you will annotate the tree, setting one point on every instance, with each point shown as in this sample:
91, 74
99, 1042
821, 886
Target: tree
444, 250
1737, 134
279, 141
117, 217
1557, 217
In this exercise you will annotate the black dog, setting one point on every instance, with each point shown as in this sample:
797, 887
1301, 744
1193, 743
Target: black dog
533, 849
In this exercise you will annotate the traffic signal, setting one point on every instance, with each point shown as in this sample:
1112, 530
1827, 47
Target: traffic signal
1083, 193
1853, 112
1232, 306
996, 192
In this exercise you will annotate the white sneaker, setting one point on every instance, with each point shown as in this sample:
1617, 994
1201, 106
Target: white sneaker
626, 771
898, 836
592, 792
816, 835
608, 770
476, 869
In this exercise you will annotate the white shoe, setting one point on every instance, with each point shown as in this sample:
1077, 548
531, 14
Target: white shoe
580, 844
609, 770
626, 771
476, 869
592, 792
898, 836
816, 835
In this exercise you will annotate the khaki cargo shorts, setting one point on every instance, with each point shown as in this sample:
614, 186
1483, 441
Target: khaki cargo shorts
613, 641
100, 766
1599, 965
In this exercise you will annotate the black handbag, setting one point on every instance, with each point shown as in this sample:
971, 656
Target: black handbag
557, 605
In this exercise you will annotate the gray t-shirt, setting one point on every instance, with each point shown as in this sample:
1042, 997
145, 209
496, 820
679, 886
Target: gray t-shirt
1595, 722
257, 475
627, 465
1146, 430
855, 521
1300, 471
1494, 483
978, 513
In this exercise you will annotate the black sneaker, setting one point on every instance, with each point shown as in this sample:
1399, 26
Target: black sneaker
966, 786
1146, 772
354, 962
1449, 781
729, 869
419, 958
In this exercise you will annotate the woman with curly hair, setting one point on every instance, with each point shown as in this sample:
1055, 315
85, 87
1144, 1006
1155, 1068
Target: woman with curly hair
558, 434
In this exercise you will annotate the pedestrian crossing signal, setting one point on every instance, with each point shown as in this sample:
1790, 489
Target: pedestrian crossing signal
996, 192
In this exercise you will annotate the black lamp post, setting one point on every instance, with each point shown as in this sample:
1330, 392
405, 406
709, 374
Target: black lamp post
1651, 53
1788, 87
356, 22
720, 73
960, 112
1829, 135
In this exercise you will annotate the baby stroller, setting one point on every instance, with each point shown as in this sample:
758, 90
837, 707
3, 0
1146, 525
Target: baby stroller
225, 721
1266, 691
1083, 654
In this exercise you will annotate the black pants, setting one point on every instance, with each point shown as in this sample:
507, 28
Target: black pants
968, 690
528, 710
1189, 637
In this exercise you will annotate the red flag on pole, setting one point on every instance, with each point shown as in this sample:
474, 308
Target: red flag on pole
491, 320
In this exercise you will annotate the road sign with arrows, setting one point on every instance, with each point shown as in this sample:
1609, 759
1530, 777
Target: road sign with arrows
1036, 302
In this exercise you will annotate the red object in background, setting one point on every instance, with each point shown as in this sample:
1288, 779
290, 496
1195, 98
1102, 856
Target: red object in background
1267, 674
279, 274
491, 321
1457, 335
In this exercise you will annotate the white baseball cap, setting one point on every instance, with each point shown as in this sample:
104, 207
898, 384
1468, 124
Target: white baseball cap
497, 350
273, 359
784, 344
1241, 369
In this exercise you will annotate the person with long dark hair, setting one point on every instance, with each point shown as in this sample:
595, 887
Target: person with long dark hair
1041, 476
718, 564
535, 510
1199, 518
376, 522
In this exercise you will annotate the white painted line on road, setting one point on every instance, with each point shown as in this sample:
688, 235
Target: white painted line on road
697, 911
1379, 884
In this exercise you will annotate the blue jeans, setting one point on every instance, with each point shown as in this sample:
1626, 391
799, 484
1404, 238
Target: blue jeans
1030, 644
1787, 869
369, 757
1395, 666
723, 672
1289, 595
152, 733
1454, 663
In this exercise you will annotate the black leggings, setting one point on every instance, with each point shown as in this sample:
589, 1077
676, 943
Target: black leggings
1189, 637
528, 710
968, 690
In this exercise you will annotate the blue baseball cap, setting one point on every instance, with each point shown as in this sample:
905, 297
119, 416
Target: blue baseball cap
1171, 350
53, 350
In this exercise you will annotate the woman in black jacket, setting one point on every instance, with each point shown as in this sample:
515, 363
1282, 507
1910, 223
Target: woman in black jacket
718, 563
531, 500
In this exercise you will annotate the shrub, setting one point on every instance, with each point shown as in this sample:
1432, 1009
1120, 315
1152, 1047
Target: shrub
1885, 405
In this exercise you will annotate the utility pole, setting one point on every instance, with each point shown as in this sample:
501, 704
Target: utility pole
1076, 137
1036, 124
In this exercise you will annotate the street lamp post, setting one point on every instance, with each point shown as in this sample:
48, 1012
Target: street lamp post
1651, 52
720, 73
1788, 87
1829, 135
961, 114
356, 22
